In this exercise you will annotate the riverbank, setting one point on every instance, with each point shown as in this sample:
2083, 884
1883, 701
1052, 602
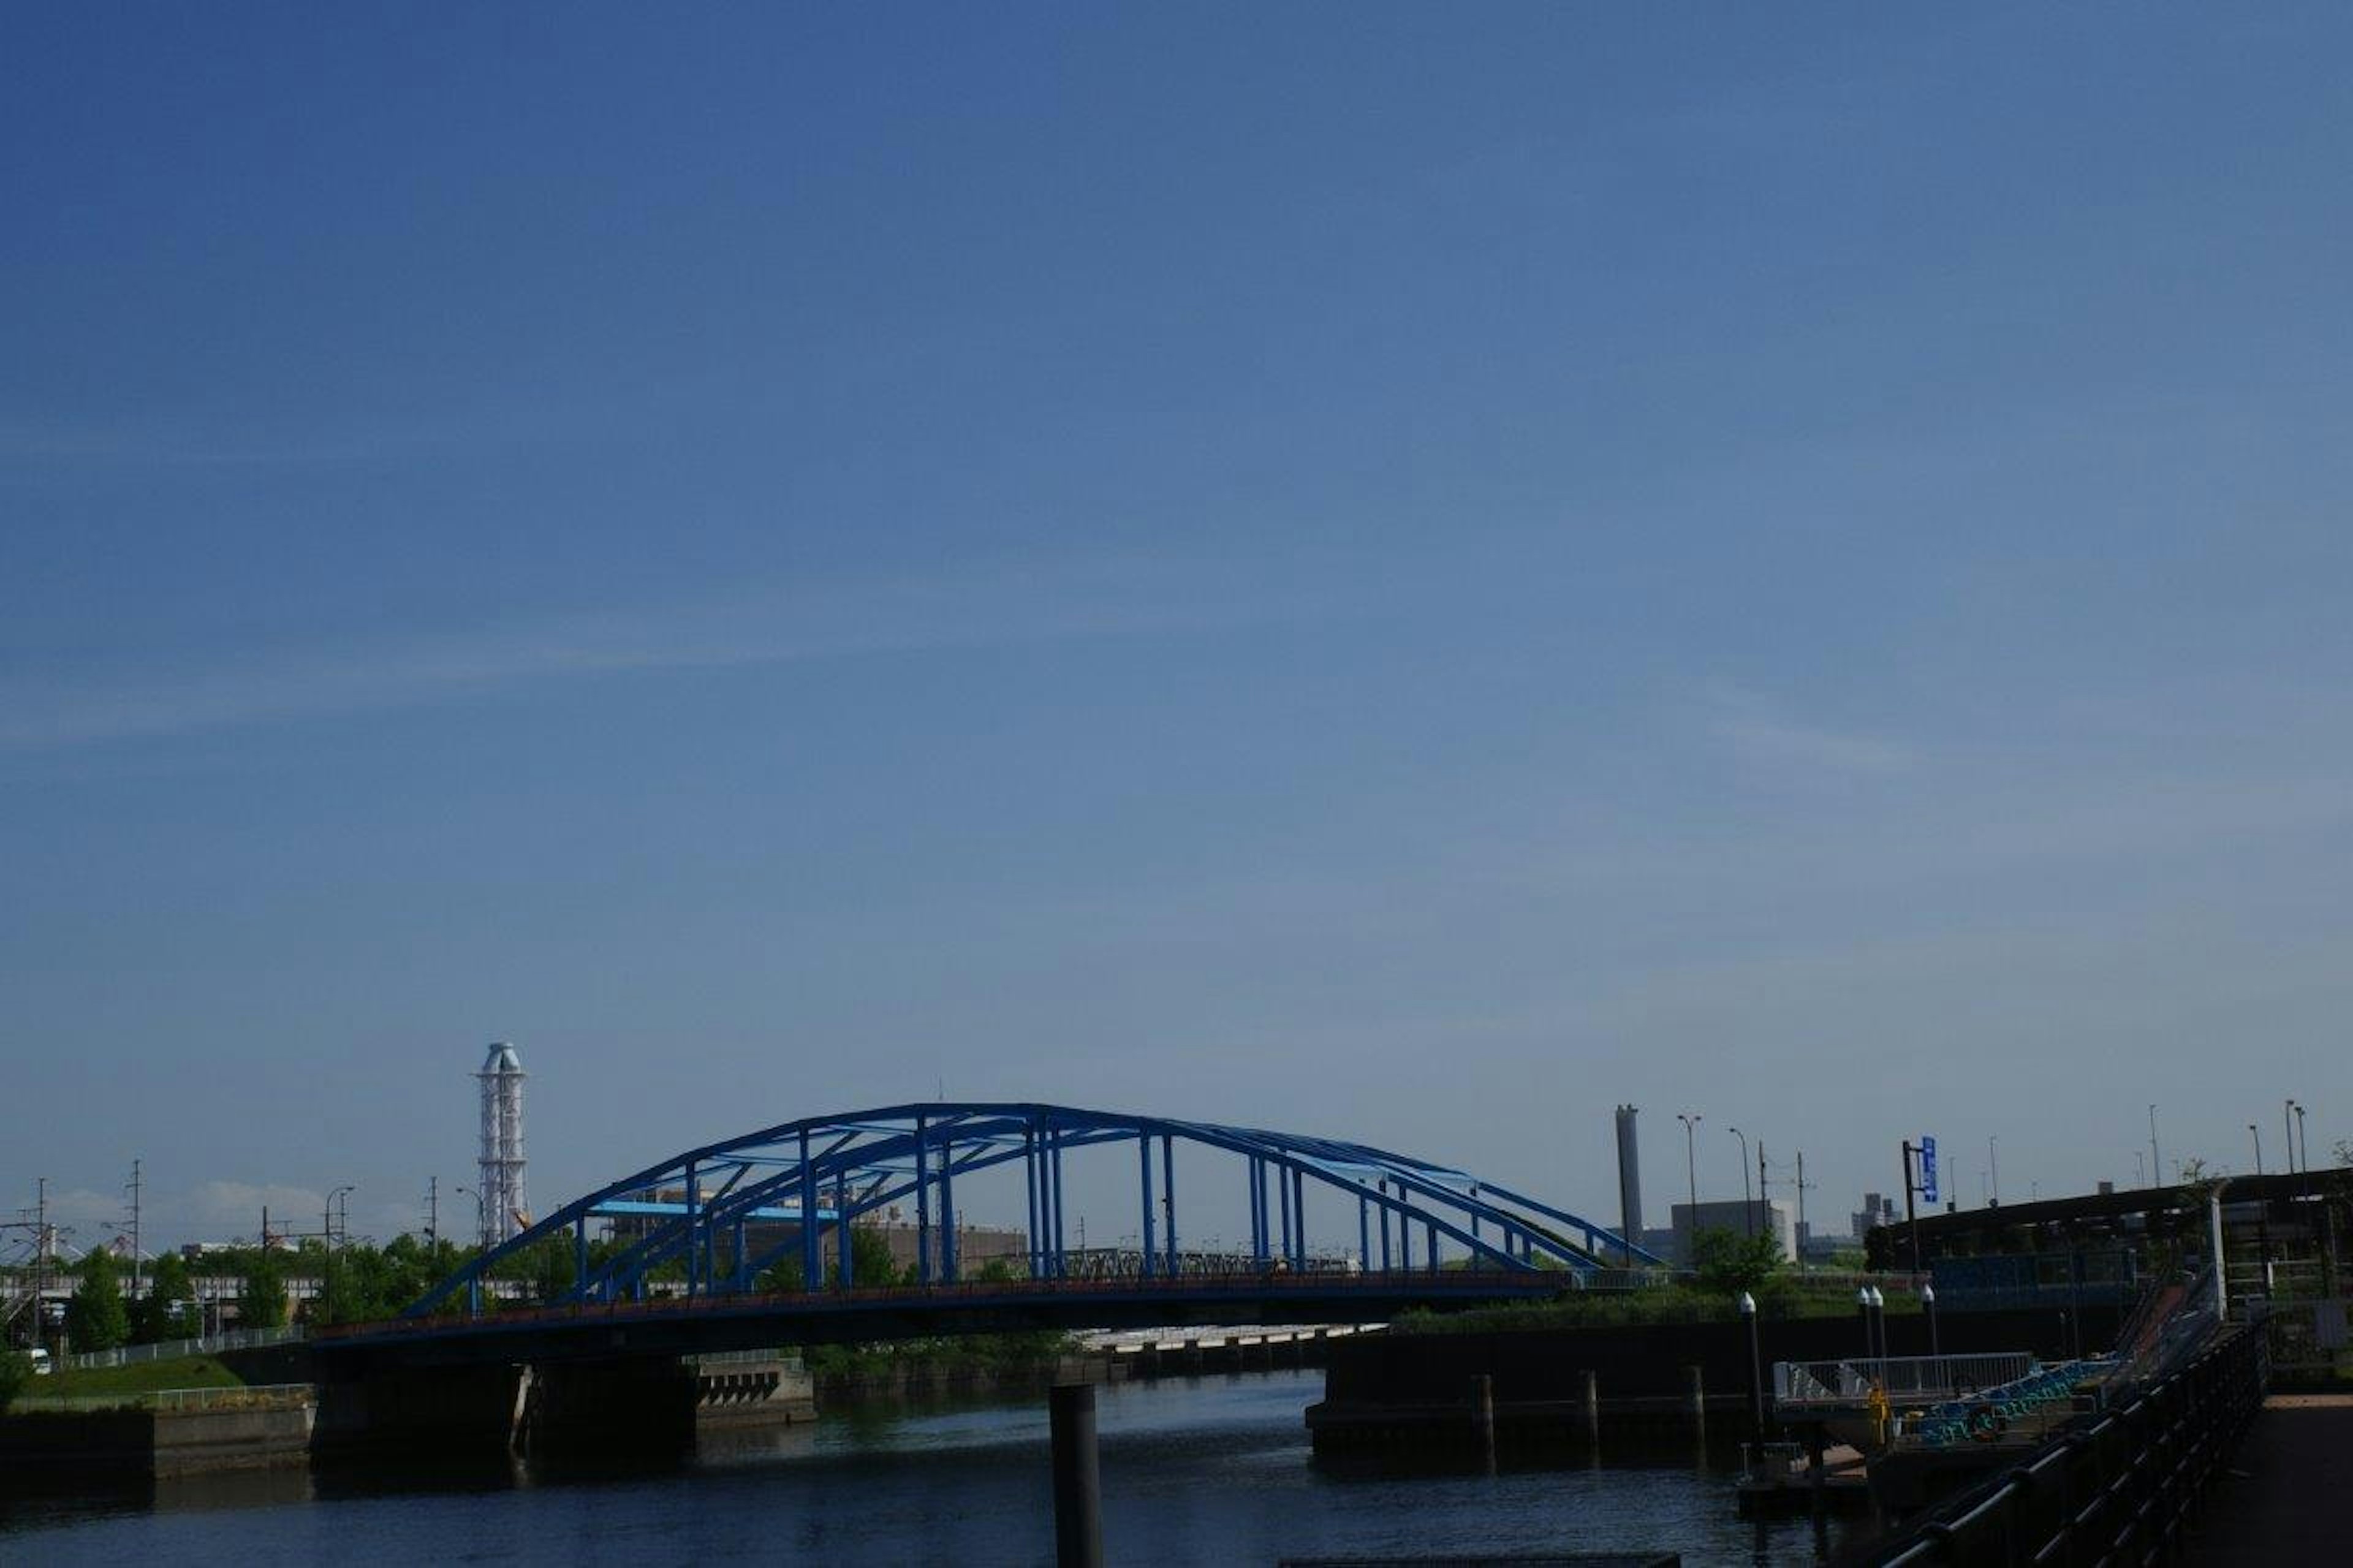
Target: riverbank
1213, 1470
1594, 1385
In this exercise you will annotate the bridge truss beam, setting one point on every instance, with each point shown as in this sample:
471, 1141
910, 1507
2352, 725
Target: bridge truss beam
824, 1174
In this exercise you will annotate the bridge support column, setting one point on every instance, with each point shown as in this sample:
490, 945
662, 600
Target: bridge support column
638, 1405
449, 1412
845, 1259
950, 1266
1282, 1198
1168, 1196
922, 1208
1151, 1238
812, 1238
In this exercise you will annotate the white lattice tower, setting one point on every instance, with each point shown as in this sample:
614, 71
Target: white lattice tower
501, 1190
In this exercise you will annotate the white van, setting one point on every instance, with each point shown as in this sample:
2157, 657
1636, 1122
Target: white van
42, 1366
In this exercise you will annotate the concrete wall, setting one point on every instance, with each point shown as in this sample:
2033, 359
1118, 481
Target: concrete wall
1380, 1379
440, 1412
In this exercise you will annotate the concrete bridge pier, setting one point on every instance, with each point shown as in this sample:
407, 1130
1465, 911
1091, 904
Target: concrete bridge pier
635, 1404
438, 1412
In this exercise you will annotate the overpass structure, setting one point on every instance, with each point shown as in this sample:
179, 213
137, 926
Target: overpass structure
757, 1215
748, 1243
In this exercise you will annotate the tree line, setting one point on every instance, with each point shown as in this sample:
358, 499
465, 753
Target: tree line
364, 1282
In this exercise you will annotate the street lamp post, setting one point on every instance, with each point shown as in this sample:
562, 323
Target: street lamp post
1993, 1164
2257, 1133
1755, 1367
2287, 1131
2304, 1149
1747, 1212
327, 1265
1691, 1169
481, 1232
2155, 1160
481, 1215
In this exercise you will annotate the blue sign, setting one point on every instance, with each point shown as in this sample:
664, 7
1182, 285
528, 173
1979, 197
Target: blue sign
1927, 1169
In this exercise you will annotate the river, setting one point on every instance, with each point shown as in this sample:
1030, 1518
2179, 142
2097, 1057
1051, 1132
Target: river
1210, 1470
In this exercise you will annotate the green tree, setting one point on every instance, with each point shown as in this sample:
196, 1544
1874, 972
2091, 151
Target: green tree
549, 1267
1728, 1263
261, 1292
15, 1371
869, 1257
96, 1319
168, 1310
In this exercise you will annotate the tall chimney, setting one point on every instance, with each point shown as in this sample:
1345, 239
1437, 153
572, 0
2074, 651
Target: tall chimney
1630, 1182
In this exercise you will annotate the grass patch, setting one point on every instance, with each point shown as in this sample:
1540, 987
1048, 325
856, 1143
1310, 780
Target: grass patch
180, 1372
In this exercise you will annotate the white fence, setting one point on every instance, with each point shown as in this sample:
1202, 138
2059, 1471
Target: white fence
262, 1396
171, 1350
1910, 1377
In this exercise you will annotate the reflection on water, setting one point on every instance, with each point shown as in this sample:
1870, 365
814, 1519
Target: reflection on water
1203, 1470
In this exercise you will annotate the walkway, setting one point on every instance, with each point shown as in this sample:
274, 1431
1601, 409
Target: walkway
2286, 1496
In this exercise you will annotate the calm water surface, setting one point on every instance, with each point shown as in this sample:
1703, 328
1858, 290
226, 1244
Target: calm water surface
1214, 1470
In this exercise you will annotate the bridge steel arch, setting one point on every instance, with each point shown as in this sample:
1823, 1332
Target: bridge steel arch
827, 1172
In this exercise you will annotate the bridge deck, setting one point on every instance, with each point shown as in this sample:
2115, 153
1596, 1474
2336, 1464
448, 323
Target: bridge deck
737, 1322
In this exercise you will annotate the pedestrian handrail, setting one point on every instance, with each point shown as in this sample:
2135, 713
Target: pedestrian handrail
1273, 1279
2114, 1488
242, 1396
2010, 1411
1913, 1377
171, 1350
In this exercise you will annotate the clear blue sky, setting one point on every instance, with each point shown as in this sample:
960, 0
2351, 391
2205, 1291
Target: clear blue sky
1400, 572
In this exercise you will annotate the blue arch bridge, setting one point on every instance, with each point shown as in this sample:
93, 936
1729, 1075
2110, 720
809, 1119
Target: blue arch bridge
747, 1243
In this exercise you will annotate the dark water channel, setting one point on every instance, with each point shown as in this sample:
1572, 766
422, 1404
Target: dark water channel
1213, 1470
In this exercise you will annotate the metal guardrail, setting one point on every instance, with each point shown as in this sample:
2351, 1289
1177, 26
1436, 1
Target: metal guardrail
2114, 1488
171, 1350
245, 1396
1274, 1283
1910, 1377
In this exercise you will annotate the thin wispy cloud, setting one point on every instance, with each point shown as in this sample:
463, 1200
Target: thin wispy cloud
786, 624
1761, 736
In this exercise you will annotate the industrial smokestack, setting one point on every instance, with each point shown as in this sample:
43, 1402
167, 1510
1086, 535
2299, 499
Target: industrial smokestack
504, 1207
1630, 1182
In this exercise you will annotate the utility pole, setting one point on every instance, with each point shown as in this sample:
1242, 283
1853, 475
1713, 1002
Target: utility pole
1747, 1208
432, 1212
1911, 1215
2155, 1160
135, 1230
1764, 1203
1691, 1169
1802, 1231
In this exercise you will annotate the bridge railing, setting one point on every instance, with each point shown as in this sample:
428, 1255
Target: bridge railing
173, 1350
1273, 1281
242, 1396
2115, 1487
1910, 1377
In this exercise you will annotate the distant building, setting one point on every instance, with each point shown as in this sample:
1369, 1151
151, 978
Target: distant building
1876, 1211
976, 1245
1736, 1216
